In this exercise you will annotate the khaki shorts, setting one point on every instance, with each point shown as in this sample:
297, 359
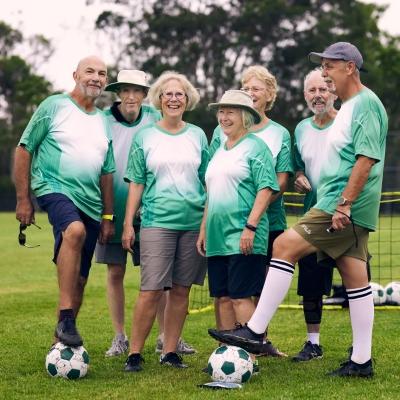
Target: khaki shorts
170, 256
313, 228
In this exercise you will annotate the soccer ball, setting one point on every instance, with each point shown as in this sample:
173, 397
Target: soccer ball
230, 364
393, 293
67, 362
378, 293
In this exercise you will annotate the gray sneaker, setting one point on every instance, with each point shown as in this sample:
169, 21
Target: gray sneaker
182, 348
119, 345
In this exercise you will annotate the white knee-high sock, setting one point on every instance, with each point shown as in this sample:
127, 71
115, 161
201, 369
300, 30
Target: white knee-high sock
361, 305
276, 285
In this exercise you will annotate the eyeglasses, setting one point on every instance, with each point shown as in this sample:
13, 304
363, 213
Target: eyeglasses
22, 236
170, 95
254, 89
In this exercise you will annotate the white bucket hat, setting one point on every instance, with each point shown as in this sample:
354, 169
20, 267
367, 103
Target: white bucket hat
237, 99
128, 77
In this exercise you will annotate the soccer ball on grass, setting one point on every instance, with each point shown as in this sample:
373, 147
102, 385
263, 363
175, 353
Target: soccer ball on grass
392, 291
230, 364
378, 293
67, 362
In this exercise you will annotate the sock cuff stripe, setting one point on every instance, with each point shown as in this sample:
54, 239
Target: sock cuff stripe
277, 261
353, 296
357, 290
283, 269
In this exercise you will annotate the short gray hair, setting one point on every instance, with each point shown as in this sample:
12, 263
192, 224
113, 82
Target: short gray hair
247, 119
156, 89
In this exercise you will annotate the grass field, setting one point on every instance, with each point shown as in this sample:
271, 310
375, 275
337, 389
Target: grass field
28, 295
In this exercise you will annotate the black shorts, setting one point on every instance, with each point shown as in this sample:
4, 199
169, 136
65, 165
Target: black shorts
236, 276
271, 238
62, 212
315, 280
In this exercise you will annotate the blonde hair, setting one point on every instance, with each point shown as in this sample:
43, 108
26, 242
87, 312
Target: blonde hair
261, 73
247, 119
156, 89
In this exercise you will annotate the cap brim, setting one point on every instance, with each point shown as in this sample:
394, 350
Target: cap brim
252, 111
316, 58
113, 87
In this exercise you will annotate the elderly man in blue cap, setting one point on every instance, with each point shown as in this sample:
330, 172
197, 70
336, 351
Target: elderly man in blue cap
346, 211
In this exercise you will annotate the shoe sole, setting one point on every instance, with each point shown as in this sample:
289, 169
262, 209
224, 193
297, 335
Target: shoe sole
133, 370
246, 344
168, 364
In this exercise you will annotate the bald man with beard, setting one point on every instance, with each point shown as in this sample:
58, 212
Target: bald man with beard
65, 159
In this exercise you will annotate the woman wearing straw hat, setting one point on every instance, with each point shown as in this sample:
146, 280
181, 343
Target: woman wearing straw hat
166, 170
240, 182
262, 87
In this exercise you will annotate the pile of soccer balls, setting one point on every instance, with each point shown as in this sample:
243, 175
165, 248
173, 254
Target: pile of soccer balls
230, 364
67, 362
386, 295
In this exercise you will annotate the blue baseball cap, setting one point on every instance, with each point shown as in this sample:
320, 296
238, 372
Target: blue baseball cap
340, 51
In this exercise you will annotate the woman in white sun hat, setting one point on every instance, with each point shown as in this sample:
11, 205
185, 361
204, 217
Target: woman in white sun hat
240, 182
166, 171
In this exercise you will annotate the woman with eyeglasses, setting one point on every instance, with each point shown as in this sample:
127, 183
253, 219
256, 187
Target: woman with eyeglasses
261, 85
166, 169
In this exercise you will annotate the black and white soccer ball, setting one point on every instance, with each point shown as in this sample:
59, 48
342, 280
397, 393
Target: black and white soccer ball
392, 291
230, 364
378, 293
67, 362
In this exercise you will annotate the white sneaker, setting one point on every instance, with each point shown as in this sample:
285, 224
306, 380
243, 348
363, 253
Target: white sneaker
182, 348
119, 345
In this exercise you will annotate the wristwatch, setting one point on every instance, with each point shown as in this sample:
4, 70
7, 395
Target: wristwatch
109, 217
342, 201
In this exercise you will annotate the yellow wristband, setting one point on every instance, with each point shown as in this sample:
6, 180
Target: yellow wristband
109, 217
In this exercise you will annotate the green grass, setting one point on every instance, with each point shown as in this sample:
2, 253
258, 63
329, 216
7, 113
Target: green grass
28, 296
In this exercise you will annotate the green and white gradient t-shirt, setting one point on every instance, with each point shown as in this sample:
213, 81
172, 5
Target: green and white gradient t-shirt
309, 144
122, 136
172, 168
233, 178
71, 149
359, 129
277, 139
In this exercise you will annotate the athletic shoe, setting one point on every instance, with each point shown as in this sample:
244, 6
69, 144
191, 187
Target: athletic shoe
67, 333
182, 347
256, 368
119, 345
241, 336
269, 350
172, 360
350, 368
134, 363
309, 352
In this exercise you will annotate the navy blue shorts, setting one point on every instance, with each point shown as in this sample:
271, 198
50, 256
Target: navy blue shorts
236, 276
315, 279
62, 212
271, 238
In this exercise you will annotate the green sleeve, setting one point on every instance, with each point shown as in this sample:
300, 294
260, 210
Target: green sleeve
136, 168
215, 141
37, 128
366, 135
262, 170
109, 162
284, 159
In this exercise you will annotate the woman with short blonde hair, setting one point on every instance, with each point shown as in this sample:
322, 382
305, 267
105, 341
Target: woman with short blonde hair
166, 170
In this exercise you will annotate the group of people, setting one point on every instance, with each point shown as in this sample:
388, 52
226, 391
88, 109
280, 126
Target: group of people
138, 179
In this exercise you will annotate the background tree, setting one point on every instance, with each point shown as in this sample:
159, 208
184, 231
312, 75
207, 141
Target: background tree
21, 90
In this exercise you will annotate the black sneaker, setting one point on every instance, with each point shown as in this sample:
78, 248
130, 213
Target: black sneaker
350, 368
269, 350
67, 333
134, 363
173, 360
241, 336
309, 352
